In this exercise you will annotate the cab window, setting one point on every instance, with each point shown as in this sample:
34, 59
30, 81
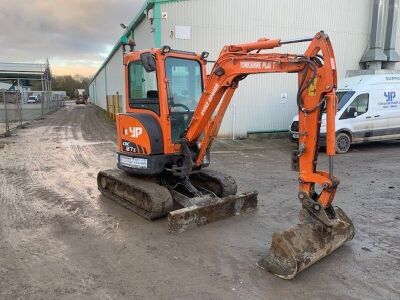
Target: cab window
358, 107
143, 90
184, 83
184, 87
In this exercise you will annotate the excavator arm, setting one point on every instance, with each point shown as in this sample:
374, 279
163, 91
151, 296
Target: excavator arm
317, 83
322, 228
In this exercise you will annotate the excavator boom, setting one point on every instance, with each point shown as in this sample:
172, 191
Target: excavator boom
322, 227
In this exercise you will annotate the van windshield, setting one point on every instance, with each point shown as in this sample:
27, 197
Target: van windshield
343, 98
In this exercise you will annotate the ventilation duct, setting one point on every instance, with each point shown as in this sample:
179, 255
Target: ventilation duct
391, 34
374, 56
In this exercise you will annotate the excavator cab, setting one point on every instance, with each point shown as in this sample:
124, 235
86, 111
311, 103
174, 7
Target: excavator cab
166, 85
155, 177
183, 81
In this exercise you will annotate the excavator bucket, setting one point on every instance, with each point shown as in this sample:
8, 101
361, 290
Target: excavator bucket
209, 208
299, 247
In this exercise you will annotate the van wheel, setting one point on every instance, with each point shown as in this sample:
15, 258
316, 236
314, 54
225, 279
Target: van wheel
343, 142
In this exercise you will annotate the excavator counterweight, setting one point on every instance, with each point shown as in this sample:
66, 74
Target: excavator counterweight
173, 113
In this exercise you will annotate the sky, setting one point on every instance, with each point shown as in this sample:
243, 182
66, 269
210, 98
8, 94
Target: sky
75, 35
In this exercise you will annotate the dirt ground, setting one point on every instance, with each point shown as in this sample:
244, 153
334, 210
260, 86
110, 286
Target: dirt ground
59, 238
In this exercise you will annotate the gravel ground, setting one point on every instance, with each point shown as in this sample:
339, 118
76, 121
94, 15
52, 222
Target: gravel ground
59, 238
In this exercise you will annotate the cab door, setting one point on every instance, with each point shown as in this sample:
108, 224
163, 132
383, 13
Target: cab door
184, 86
357, 117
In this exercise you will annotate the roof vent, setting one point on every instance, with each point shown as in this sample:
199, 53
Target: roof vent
390, 36
374, 56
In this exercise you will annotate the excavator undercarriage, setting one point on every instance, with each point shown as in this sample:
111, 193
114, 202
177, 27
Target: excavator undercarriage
156, 197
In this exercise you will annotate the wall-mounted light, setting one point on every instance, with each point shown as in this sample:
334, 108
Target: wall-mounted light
166, 49
204, 55
132, 44
149, 14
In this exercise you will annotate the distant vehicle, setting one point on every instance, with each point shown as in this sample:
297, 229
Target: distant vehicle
81, 96
33, 99
368, 110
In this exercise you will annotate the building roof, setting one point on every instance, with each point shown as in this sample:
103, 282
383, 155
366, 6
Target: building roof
135, 21
23, 70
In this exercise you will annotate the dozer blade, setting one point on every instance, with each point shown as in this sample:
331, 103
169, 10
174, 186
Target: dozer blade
210, 209
299, 247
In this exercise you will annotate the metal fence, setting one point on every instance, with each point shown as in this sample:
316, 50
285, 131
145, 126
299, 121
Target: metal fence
18, 107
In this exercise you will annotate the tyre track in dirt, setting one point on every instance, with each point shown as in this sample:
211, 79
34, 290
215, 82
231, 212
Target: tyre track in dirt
58, 176
59, 238
49, 193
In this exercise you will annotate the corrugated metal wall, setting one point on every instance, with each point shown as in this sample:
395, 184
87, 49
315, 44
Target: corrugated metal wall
115, 75
99, 86
92, 91
257, 105
109, 81
143, 35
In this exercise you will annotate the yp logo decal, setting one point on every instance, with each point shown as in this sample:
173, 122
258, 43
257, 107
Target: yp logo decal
390, 96
134, 132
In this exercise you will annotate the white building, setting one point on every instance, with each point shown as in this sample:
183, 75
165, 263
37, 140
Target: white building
4, 86
259, 104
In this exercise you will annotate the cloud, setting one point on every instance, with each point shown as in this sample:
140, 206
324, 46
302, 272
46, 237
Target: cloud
70, 32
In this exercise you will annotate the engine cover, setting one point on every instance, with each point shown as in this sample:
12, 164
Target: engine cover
139, 134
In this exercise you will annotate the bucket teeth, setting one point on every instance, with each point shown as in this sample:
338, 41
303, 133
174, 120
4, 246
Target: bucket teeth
299, 247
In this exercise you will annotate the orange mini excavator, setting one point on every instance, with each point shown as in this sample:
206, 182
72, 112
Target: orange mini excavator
173, 113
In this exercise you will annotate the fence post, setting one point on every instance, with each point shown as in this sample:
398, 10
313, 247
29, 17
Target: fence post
19, 97
19, 105
7, 133
42, 100
46, 107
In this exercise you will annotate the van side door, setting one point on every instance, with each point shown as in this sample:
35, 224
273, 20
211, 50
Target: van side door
357, 117
386, 118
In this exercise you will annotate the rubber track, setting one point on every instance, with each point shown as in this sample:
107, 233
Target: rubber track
226, 184
159, 196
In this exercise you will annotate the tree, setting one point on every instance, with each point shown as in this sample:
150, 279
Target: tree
70, 84
66, 83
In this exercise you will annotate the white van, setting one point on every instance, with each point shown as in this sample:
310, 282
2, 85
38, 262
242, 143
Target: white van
32, 99
368, 110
